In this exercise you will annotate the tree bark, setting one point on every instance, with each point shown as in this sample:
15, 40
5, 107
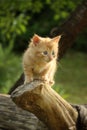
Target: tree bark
40, 99
14, 118
69, 30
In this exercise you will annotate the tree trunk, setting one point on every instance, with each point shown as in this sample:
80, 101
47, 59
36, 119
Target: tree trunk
40, 99
69, 30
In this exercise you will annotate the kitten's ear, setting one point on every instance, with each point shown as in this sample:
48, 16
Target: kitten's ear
56, 39
36, 39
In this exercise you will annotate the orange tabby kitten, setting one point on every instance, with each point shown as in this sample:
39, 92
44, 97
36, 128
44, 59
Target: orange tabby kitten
39, 60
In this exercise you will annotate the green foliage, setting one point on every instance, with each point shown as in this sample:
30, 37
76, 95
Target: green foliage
26, 17
11, 24
10, 69
62, 8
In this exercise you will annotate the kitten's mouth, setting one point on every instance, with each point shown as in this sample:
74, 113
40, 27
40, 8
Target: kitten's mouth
49, 60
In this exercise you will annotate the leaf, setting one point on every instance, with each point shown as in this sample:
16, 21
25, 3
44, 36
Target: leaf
22, 27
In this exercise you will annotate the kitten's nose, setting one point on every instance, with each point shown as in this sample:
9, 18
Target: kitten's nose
50, 58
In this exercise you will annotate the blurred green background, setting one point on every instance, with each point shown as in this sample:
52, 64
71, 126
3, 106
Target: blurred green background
19, 20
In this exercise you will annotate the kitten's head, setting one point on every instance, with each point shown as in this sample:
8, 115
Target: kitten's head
45, 49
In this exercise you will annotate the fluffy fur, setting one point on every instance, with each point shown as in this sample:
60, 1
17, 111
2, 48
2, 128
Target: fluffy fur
39, 60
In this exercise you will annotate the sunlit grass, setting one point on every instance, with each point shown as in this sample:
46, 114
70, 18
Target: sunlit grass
72, 76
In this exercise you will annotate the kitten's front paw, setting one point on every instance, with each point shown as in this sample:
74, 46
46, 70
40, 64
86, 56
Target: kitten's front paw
28, 80
42, 78
46, 79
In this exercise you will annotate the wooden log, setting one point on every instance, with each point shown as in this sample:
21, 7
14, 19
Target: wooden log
14, 118
39, 98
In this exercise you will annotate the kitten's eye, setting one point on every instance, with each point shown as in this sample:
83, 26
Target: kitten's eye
53, 53
45, 52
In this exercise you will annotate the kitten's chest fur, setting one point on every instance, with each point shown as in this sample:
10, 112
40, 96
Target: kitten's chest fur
40, 68
43, 71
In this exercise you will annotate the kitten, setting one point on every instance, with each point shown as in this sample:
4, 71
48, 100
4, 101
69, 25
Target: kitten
39, 60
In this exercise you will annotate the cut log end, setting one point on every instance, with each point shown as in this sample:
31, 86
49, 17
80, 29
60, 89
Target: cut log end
40, 99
